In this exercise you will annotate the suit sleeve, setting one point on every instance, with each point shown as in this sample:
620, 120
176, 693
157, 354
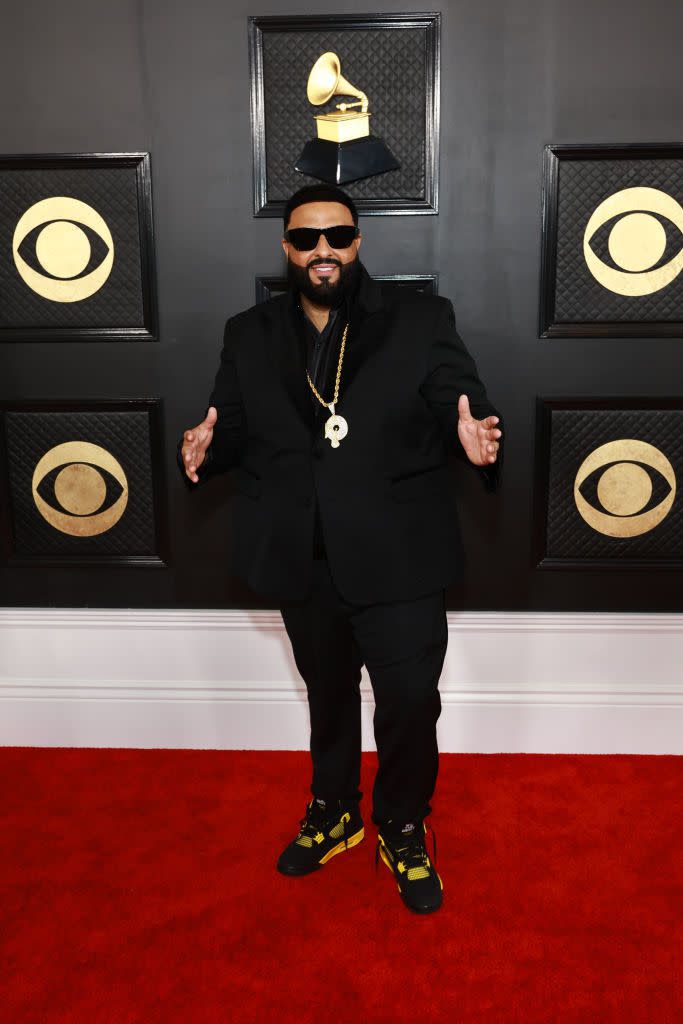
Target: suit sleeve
230, 431
451, 371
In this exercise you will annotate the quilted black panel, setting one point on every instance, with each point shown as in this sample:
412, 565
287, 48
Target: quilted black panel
583, 185
126, 435
577, 432
112, 192
387, 65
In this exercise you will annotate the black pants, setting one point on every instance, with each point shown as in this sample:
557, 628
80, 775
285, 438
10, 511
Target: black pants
403, 644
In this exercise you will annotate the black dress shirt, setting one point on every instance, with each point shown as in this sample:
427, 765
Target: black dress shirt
322, 351
322, 359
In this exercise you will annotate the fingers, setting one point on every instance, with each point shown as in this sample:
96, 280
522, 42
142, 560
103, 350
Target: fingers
190, 459
490, 437
491, 445
487, 424
490, 453
193, 460
485, 459
189, 453
196, 441
203, 429
196, 434
464, 408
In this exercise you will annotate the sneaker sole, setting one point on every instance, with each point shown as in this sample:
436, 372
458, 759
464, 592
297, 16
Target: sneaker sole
416, 910
339, 848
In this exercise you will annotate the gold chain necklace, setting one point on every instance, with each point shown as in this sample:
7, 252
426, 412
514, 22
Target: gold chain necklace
336, 427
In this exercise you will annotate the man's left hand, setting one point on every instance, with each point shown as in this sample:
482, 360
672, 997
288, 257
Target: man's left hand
478, 437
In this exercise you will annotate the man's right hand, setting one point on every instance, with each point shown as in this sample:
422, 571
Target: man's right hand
196, 441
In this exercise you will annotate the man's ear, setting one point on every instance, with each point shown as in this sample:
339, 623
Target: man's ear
359, 239
285, 247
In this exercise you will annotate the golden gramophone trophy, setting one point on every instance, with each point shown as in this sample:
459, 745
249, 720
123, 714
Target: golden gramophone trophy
344, 149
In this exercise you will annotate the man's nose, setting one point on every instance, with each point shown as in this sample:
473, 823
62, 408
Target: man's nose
323, 249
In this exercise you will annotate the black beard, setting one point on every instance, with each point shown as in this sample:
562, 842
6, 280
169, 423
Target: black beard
325, 293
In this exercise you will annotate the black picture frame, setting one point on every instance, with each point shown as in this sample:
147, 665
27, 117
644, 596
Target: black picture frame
140, 163
266, 205
550, 325
157, 559
269, 285
546, 406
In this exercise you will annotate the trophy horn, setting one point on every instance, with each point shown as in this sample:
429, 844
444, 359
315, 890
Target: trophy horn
326, 80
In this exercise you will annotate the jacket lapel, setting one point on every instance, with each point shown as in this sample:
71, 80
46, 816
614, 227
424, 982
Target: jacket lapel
291, 358
366, 331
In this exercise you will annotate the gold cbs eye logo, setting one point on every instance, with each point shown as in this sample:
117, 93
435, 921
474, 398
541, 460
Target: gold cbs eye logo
637, 241
55, 242
80, 488
625, 488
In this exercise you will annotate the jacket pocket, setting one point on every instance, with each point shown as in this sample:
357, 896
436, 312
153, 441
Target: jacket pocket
247, 483
417, 485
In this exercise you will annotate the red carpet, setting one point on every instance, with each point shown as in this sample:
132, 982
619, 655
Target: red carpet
139, 886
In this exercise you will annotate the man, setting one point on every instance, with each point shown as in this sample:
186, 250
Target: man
336, 405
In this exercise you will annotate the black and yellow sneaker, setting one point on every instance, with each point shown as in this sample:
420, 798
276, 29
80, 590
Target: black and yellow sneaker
403, 850
329, 827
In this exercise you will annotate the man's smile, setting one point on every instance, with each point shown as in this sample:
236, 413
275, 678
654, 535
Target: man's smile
324, 269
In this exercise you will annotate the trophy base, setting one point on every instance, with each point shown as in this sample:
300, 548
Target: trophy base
341, 162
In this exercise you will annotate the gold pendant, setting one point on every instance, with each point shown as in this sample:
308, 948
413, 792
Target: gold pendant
336, 427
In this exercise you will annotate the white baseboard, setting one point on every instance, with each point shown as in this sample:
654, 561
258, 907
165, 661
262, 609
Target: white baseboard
512, 682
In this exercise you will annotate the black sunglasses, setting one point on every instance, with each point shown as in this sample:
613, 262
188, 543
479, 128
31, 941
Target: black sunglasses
305, 239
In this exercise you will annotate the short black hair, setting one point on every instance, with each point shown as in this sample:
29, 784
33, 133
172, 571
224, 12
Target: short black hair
319, 193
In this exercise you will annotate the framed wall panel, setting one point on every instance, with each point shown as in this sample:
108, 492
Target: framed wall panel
608, 489
612, 257
80, 483
77, 248
268, 286
392, 58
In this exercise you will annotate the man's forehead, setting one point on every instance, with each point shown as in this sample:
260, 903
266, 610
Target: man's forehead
320, 215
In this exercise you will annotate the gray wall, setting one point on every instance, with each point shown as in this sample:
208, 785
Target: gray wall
172, 78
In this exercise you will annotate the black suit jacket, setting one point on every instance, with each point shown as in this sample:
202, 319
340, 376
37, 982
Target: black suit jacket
386, 498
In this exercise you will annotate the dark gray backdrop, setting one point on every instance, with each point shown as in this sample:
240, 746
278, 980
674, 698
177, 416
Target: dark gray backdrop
172, 78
